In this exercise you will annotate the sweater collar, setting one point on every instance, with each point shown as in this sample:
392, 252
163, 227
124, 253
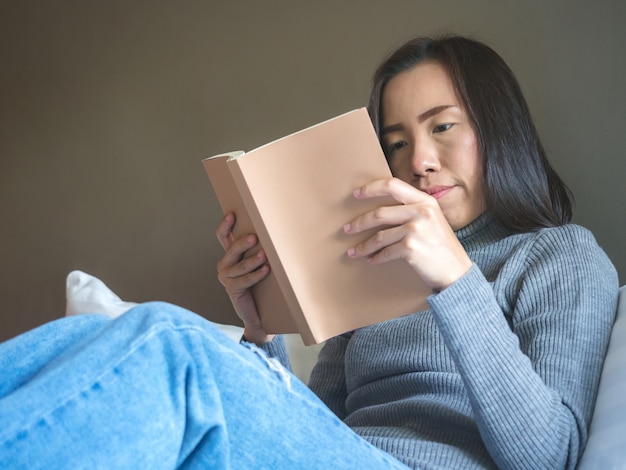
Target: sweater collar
484, 229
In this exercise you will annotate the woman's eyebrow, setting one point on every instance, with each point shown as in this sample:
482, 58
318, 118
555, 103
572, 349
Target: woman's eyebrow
432, 112
392, 128
421, 118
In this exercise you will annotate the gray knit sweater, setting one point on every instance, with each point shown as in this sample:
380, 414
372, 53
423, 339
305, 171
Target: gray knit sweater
500, 372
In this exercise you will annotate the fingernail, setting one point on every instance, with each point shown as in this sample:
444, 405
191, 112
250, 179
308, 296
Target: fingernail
347, 228
351, 251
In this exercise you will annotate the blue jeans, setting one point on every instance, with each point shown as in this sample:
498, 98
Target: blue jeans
160, 387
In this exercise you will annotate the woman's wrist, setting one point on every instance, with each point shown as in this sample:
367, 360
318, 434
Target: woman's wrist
256, 336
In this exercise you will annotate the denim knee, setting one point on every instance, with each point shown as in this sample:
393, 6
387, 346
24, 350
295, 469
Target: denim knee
151, 314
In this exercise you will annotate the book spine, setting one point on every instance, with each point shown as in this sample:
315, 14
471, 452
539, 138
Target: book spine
266, 306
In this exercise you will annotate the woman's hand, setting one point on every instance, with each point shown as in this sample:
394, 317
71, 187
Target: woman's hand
414, 230
238, 271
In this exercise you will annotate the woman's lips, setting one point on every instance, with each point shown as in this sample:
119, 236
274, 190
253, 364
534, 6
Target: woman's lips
438, 191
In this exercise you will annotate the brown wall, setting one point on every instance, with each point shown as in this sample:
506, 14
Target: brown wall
106, 109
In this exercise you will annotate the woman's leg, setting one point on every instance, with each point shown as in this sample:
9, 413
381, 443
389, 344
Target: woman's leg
160, 387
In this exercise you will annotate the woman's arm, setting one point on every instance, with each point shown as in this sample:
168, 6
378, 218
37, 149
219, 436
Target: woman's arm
532, 380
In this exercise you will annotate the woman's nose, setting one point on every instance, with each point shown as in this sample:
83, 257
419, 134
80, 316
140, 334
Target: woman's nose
424, 160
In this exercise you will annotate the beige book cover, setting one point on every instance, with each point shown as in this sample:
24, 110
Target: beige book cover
295, 193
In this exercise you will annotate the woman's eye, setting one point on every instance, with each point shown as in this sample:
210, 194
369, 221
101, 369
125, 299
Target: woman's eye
442, 128
395, 146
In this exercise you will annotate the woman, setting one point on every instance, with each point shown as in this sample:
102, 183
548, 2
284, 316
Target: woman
501, 371
503, 368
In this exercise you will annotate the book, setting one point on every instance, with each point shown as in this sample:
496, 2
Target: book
295, 193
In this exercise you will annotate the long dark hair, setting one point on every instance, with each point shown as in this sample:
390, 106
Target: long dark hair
522, 190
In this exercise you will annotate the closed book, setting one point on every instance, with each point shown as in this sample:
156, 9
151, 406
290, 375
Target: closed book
295, 193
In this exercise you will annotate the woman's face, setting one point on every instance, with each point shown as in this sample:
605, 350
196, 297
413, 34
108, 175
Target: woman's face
430, 141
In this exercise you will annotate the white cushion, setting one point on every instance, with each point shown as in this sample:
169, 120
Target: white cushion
88, 294
606, 448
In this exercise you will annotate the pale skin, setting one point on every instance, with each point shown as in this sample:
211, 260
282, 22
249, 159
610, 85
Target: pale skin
437, 183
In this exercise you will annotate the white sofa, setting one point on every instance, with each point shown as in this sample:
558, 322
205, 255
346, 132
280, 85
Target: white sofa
606, 448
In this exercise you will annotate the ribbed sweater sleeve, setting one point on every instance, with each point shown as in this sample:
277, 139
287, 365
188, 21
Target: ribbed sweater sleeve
530, 351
